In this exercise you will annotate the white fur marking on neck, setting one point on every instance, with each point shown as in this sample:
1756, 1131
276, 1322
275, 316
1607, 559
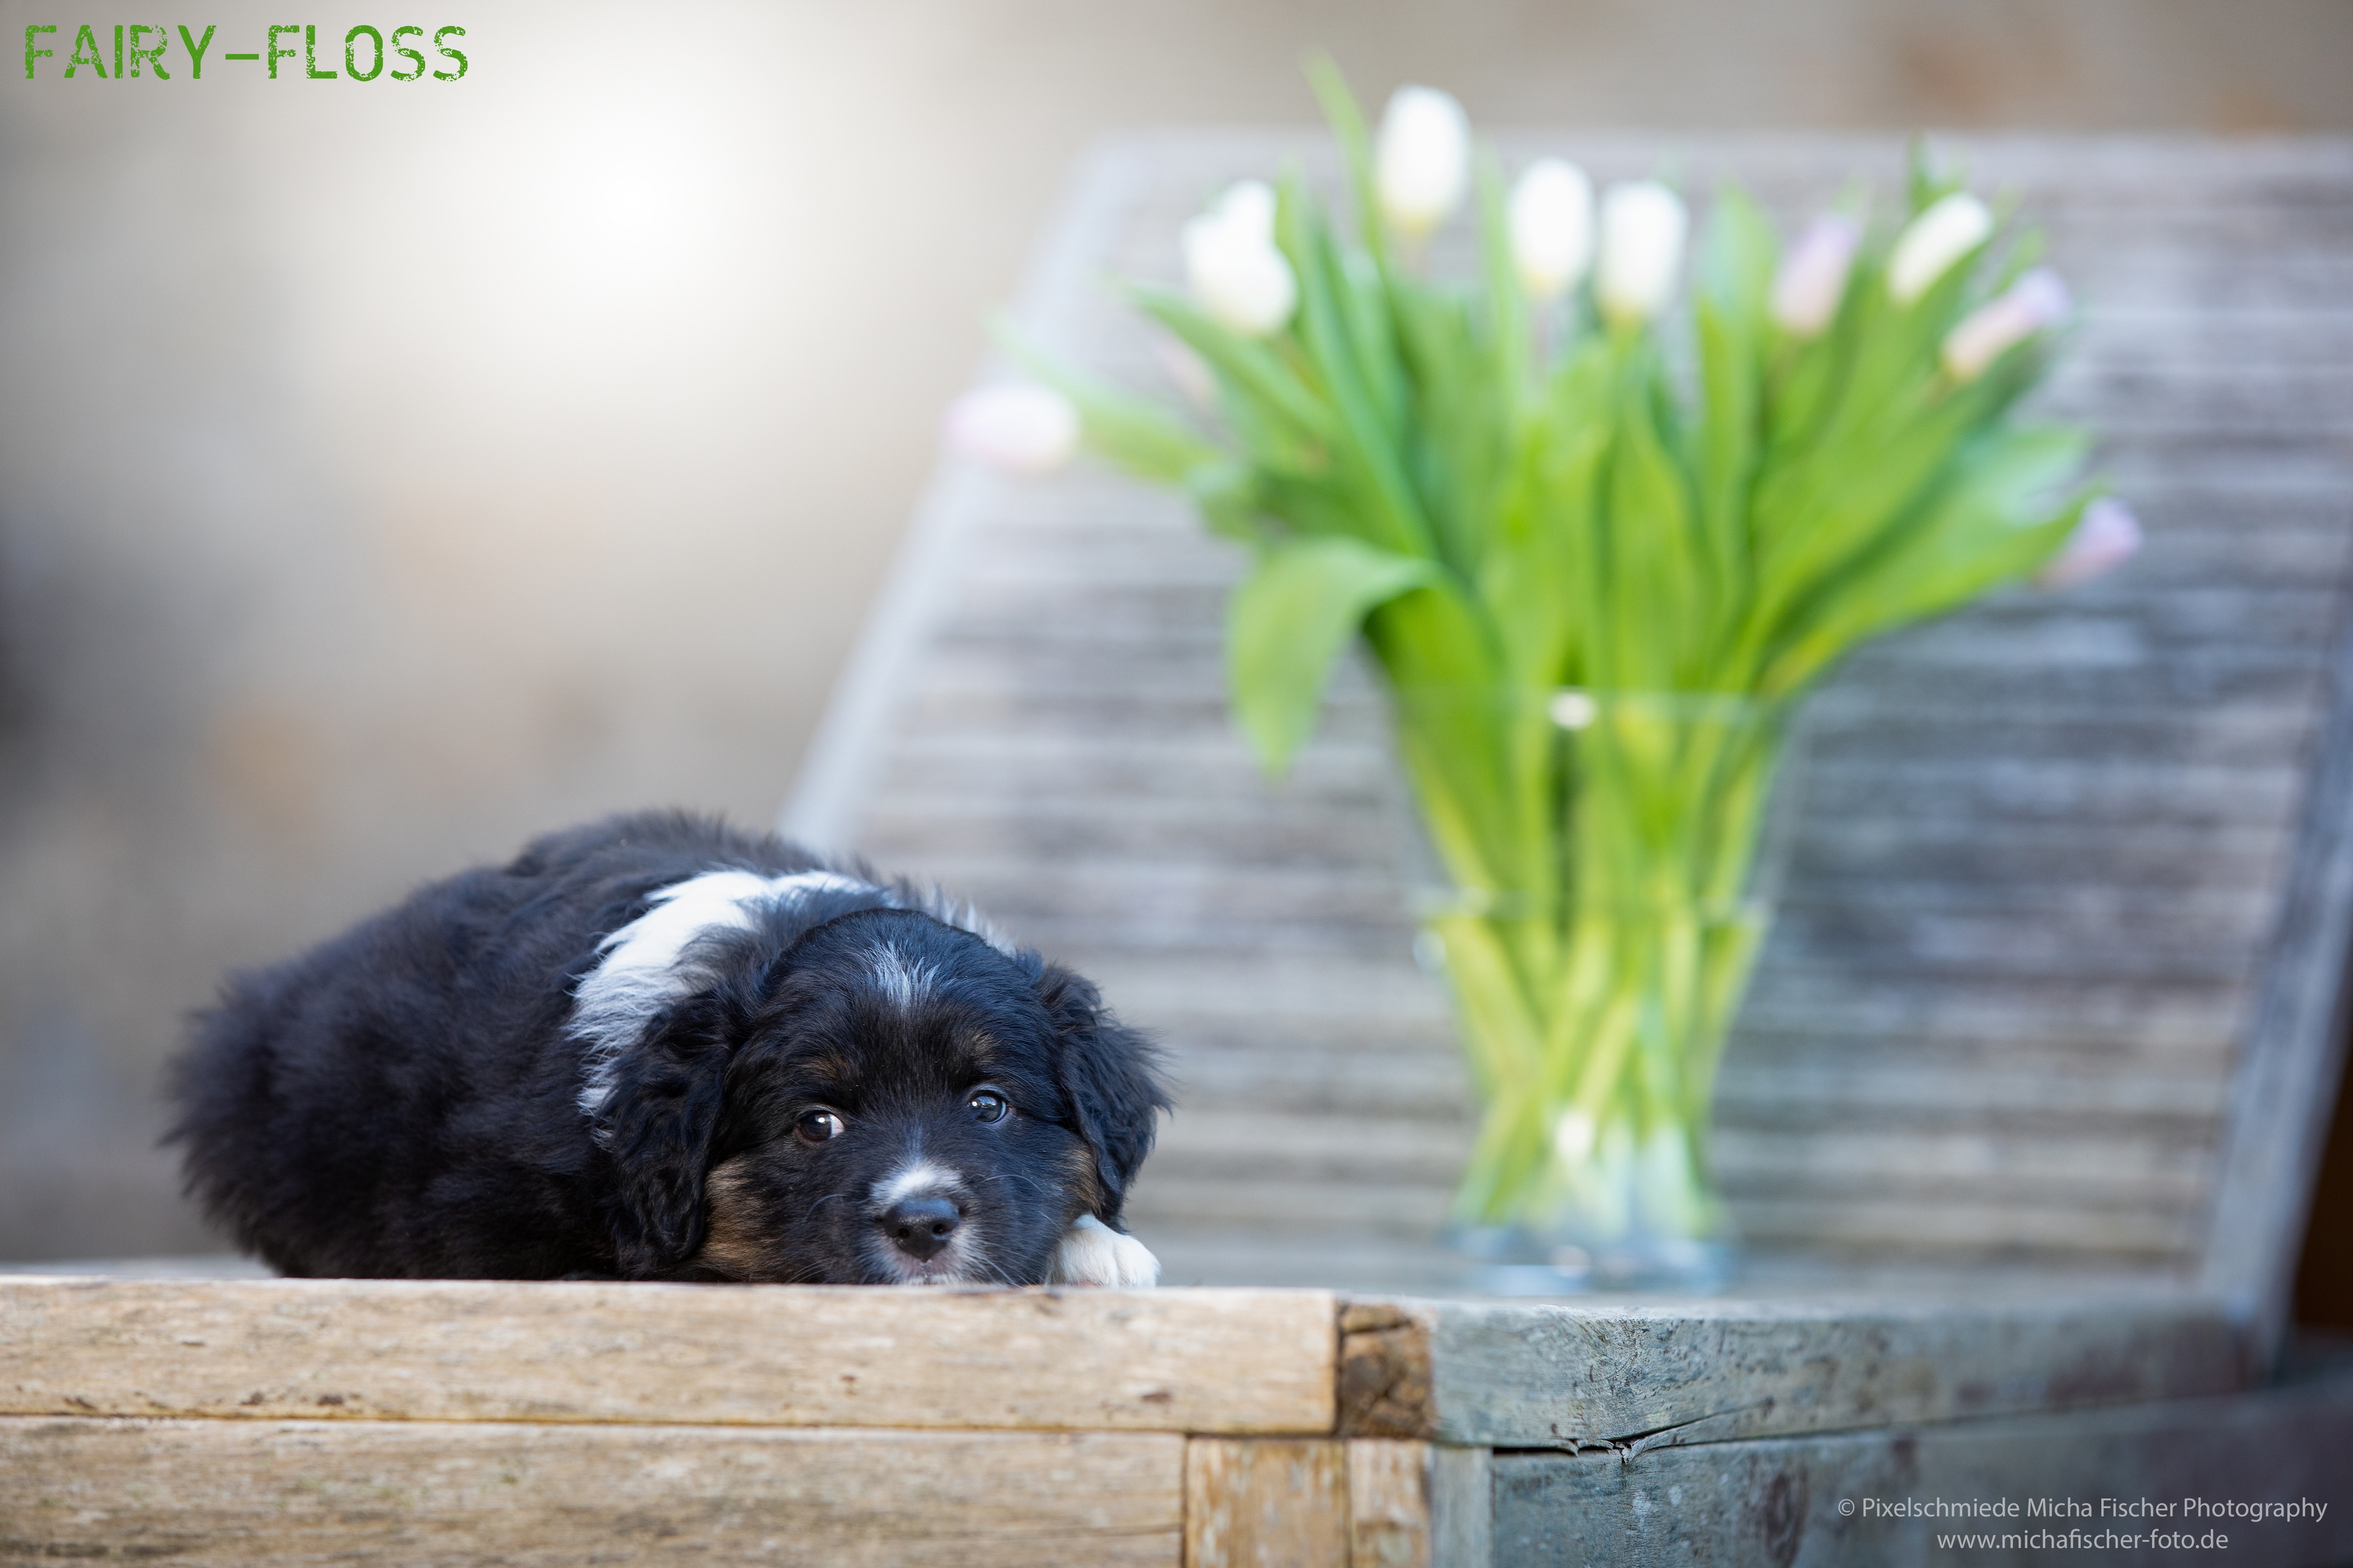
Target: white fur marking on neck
646, 968
904, 983
1092, 1253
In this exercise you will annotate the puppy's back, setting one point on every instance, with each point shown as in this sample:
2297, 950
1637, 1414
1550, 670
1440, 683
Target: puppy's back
399, 1100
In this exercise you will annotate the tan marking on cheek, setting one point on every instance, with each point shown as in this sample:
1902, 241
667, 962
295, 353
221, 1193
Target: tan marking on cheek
1084, 1180
731, 1235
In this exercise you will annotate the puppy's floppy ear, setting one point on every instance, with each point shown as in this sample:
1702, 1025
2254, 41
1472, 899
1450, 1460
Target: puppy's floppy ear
1107, 1073
657, 1124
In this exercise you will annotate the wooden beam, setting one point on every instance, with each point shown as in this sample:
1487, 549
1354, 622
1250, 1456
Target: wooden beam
2285, 1083
1826, 1499
1418, 1505
1548, 1376
1266, 1503
1179, 1361
1389, 1503
232, 1493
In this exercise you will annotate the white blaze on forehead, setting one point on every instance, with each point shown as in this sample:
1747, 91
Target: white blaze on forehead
904, 983
645, 968
917, 1178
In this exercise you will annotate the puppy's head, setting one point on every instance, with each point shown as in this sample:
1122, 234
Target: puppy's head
871, 1095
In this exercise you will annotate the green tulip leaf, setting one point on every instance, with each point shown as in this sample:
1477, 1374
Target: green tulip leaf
1288, 622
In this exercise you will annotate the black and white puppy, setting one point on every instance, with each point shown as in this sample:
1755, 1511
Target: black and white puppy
655, 1048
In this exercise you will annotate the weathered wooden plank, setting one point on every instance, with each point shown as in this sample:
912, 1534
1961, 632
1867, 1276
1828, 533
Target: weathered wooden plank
1263, 1502
2117, 1169
1134, 618
1807, 996
2093, 929
1862, 1224
1857, 1223
1523, 1376
234, 1493
2281, 1091
1388, 1208
1348, 768
1828, 1500
1210, 1360
1890, 1087
1389, 1503
1412, 1083
1961, 681
2261, 526
1418, 1505
2135, 1165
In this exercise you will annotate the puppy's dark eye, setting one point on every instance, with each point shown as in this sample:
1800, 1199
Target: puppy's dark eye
816, 1126
987, 1105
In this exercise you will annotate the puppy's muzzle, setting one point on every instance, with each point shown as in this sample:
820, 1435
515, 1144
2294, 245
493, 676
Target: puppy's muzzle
921, 1227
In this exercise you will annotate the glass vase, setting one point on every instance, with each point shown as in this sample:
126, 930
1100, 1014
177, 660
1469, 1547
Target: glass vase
1600, 870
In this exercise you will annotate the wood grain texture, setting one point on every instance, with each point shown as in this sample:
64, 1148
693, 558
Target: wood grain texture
1777, 1502
235, 1493
1418, 1505
1199, 1361
1266, 1503
1389, 1503
1639, 1377
1463, 1508
2285, 1084
2044, 855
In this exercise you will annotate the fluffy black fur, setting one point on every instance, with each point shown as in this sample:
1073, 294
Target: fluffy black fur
404, 1101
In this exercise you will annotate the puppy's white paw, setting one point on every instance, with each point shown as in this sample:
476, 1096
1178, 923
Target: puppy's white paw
1092, 1253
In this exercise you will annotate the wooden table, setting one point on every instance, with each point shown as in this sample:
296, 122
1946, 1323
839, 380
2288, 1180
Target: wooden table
2021, 1121
300, 1421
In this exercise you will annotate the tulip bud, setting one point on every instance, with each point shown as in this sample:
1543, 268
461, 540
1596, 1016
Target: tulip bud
2105, 536
1552, 227
1421, 162
2037, 300
1016, 426
1643, 226
1248, 208
1238, 275
1945, 231
1812, 279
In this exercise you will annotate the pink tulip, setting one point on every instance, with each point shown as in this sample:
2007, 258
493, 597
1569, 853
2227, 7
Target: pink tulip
1812, 279
1018, 427
2037, 301
2106, 536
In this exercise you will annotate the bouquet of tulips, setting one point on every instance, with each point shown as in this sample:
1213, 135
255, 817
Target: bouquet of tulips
1596, 560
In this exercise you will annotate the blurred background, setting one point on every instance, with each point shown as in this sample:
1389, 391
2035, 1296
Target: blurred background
389, 472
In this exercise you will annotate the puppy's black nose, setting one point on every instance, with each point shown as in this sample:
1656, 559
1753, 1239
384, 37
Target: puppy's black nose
921, 1226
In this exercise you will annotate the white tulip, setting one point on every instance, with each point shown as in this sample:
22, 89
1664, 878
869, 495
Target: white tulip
1238, 275
1016, 426
1421, 162
1812, 279
1552, 227
1945, 231
1642, 228
1248, 208
2105, 536
2036, 302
